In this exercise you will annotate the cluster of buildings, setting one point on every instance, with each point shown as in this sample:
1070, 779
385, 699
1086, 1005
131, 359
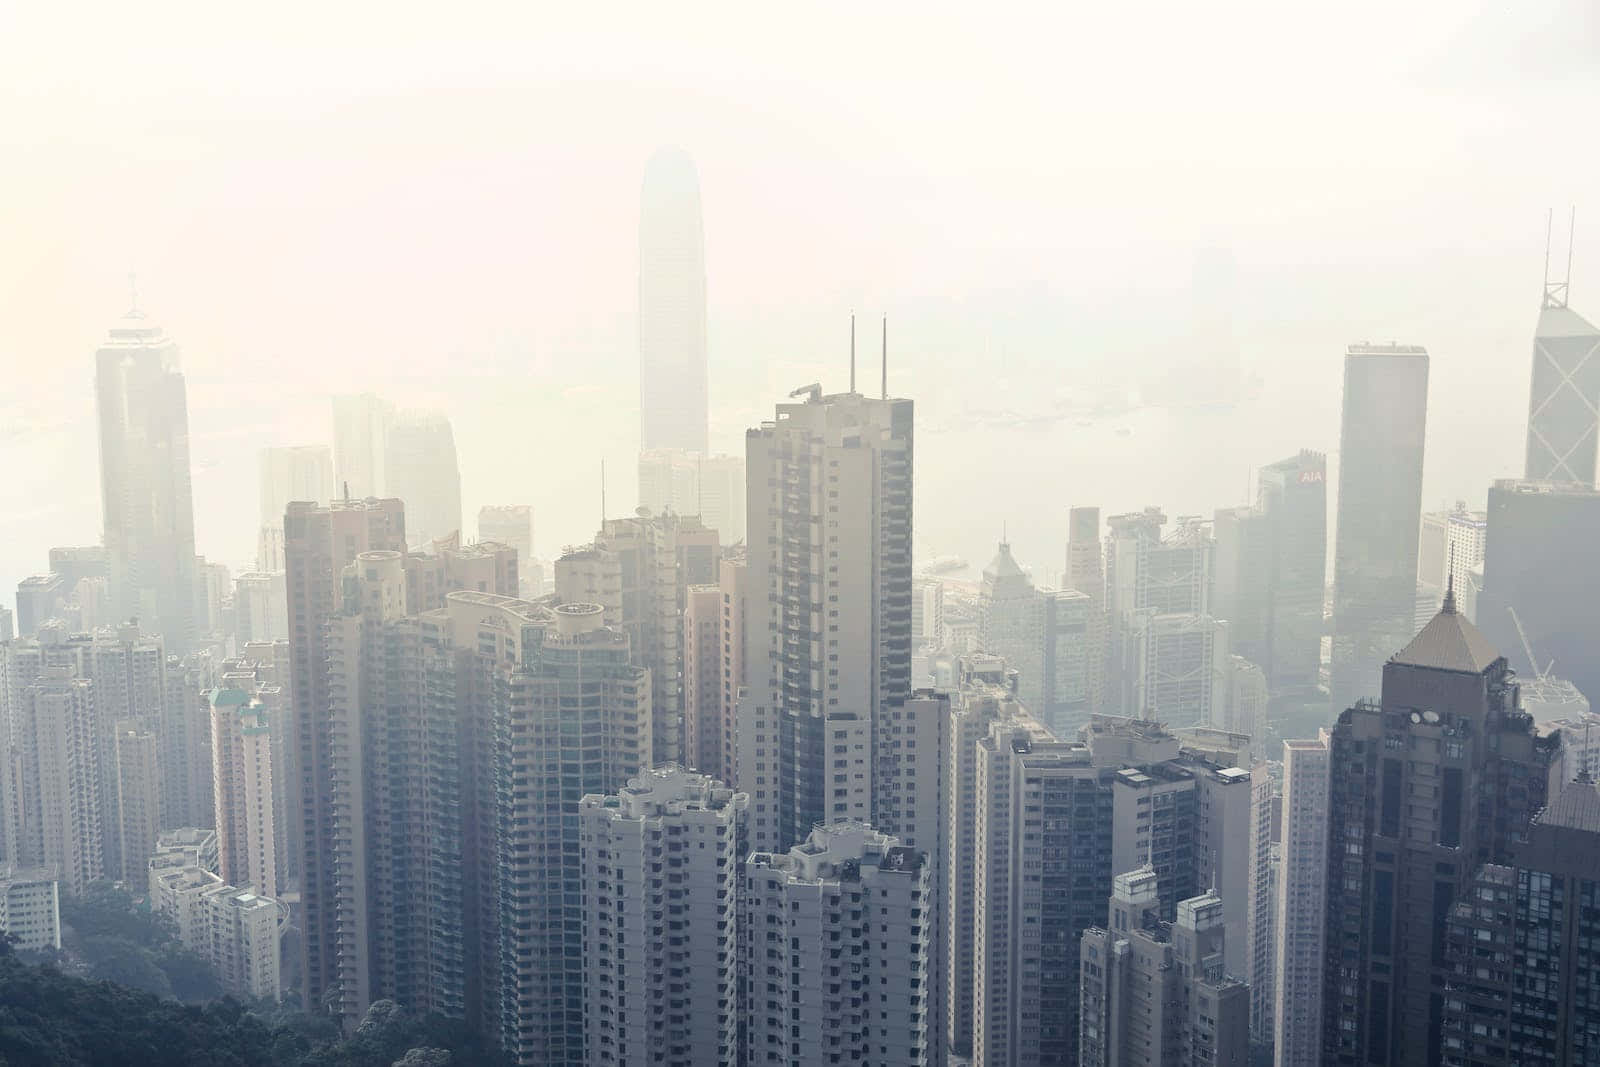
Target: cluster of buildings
732, 783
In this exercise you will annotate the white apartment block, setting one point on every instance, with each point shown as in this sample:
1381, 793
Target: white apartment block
30, 907
981, 698
138, 785
245, 791
54, 783
1259, 942
838, 943
1302, 904
660, 920
237, 930
702, 682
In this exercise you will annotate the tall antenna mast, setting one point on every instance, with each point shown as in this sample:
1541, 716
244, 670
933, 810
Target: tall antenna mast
1555, 293
602, 497
1572, 232
852, 351
886, 357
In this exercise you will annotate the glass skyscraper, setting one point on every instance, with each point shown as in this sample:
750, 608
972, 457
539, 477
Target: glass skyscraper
1380, 509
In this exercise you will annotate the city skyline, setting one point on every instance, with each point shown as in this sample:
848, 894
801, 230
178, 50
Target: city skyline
668, 542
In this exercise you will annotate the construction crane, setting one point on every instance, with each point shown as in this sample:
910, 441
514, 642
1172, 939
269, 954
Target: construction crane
1527, 647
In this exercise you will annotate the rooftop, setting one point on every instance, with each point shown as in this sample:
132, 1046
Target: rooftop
1449, 643
1577, 806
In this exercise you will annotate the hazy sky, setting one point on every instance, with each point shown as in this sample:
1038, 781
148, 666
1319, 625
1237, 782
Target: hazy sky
441, 204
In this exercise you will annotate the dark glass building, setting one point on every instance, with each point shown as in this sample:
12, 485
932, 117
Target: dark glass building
1438, 779
1540, 559
1524, 947
1380, 511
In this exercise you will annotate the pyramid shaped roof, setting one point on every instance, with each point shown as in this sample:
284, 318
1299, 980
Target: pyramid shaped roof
1449, 643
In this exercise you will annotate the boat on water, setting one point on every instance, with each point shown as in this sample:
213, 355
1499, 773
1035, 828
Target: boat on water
943, 565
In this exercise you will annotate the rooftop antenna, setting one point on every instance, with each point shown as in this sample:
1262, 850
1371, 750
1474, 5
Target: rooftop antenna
700, 485
602, 497
1572, 231
1555, 293
347, 491
1583, 764
852, 351
886, 357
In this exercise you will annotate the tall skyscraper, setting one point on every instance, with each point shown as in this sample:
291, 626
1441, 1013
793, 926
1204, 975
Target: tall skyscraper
1539, 561
319, 543
1563, 416
420, 469
297, 472
1301, 906
1148, 575
839, 952
246, 792
1520, 946
980, 697
144, 481
828, 609
681, 1002
1157, 992
360, 445
672, 306
1380, 509
583, 677
702, 681
1444, 774
57, 780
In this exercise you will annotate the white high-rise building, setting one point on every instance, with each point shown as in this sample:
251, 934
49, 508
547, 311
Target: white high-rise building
838, 952
237, 930
828, 611
30, 907
661, 977
247, 800
138, 786
981, 696
297, 472
55, 779
1260, 945
1302, 911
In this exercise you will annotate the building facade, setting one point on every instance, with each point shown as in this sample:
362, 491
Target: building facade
144, 481
1380, 509
1442, 775
827, 611
1562, 414
1156, 992
661, 868
838, 954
